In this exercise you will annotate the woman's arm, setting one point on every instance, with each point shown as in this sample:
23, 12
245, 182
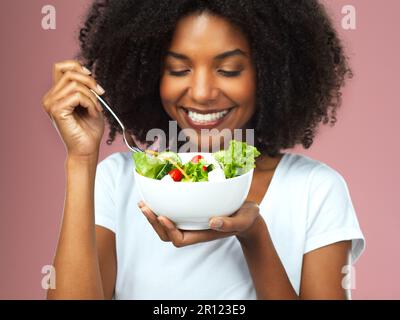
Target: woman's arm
106, 251
322, 276
80, 262
76, 261
321, 273
269, 276
85, 260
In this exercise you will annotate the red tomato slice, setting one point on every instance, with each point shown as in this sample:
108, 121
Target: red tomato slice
176, 175
197, 158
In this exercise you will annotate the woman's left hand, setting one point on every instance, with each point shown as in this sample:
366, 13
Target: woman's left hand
242, 224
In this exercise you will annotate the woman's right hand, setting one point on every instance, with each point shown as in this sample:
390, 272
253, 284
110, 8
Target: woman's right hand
74, 109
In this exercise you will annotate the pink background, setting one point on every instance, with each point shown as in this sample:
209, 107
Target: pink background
363, 146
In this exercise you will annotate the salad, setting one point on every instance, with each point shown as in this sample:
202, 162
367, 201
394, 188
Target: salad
238, 159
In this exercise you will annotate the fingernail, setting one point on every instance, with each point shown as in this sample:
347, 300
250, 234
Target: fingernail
86, 70
140, 204
145, 213
216, 223
100, 90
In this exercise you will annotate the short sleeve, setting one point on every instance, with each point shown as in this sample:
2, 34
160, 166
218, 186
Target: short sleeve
104, 203
331, 215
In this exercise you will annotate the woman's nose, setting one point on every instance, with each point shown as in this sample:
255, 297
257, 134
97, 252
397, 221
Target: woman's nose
202, 89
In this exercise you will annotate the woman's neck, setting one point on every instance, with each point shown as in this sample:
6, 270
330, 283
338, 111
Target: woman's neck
267, 163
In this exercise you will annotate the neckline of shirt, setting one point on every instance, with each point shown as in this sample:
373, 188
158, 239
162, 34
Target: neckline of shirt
275, 177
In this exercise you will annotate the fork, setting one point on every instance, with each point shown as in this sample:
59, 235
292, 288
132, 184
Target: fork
133, 149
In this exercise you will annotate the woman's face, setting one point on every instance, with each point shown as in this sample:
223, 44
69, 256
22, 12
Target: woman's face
208, 79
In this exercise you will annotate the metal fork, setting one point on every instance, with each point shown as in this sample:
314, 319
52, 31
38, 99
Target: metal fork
133, 149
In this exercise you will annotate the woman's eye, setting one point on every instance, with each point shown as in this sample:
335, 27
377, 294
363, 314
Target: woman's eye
225, 73
178, 73
229, 73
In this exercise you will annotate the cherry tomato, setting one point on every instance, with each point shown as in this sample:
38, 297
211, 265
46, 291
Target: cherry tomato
176, 175
196, 159
204, 168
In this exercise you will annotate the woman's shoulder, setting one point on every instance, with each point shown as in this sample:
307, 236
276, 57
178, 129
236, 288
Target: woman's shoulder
302, 167
312, 174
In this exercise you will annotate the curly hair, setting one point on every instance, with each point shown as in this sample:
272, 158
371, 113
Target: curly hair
299, 60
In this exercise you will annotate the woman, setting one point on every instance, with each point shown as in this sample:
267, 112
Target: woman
274, 66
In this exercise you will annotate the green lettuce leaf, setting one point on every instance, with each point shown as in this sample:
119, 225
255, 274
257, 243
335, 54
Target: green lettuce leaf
195, 171
147, 165
165, 155
238, 159
155, 167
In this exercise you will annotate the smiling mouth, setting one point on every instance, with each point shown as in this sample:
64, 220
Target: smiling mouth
202, 119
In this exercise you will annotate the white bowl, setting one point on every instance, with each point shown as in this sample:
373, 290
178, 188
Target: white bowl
190, 205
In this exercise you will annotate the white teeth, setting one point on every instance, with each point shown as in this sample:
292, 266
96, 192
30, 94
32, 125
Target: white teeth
209, 117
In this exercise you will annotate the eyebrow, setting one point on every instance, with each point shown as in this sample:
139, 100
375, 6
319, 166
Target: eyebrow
221, 56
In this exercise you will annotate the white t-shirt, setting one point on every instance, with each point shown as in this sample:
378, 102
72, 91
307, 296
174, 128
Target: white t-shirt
307, 206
